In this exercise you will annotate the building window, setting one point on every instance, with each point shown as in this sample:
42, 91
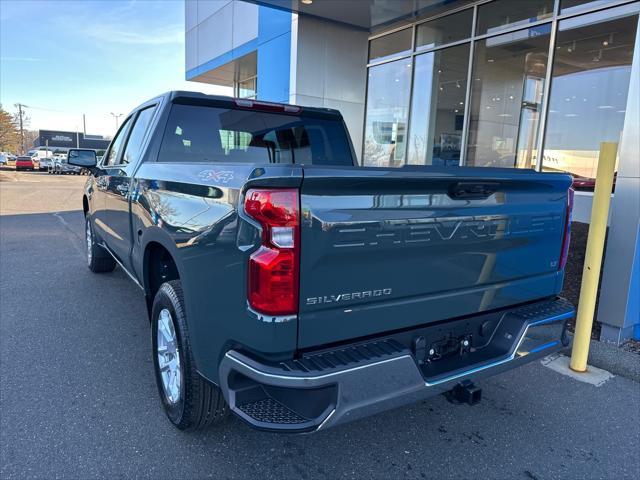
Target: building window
589, 88
437, 110
441, 31
392, 45
246, 88
570, 6
495, 16
387, 114
506, 98
416, 110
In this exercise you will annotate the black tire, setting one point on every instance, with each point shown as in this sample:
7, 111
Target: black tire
200, 403
98, 259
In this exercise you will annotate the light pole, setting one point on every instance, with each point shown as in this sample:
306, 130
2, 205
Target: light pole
116, 116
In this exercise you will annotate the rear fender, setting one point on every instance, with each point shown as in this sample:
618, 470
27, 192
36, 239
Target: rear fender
149, 236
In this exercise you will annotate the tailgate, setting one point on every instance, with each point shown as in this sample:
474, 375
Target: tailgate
386, 249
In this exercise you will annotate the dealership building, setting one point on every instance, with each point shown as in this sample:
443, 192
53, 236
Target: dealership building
536, 84
63, 140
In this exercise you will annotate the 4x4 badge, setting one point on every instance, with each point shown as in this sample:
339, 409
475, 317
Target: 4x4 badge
222, 176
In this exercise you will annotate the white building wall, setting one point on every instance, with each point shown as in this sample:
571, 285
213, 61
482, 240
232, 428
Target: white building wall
329, 69
216, 27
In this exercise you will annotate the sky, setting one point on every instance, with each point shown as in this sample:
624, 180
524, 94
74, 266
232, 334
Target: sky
63, 59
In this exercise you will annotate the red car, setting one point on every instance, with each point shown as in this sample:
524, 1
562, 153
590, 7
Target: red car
589, 184
24, 163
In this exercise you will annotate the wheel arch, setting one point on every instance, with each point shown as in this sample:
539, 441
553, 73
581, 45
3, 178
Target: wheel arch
159, 265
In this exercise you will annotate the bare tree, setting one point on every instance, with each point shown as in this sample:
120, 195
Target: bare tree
30, 137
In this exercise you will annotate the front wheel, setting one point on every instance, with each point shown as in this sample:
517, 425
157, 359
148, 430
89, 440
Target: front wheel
190, 401
98, 260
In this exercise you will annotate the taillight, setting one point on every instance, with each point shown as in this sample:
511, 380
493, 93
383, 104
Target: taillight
564, 253
274, 267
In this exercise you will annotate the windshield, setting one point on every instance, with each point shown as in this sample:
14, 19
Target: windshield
210, 134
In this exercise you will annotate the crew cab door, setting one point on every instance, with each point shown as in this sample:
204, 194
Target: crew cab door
118, 216
101, 184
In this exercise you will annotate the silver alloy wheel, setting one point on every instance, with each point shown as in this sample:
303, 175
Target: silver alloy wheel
89, 239
168, 356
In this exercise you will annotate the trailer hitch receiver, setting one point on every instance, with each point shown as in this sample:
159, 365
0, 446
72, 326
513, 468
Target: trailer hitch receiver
465, 392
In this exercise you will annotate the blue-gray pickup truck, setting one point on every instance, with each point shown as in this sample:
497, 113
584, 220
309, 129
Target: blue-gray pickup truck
290, 286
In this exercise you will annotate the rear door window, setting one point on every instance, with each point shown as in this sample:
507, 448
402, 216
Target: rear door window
137, 136
212, 134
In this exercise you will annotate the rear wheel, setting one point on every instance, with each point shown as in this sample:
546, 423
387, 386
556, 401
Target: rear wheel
190, 401
98, 260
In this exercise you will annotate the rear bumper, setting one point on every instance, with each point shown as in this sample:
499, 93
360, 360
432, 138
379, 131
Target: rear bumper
335, 386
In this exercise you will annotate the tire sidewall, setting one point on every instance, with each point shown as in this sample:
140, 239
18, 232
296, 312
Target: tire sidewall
175, 411
87, 222
95, 252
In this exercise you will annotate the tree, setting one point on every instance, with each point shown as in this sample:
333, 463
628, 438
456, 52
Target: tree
30, 137
9, 132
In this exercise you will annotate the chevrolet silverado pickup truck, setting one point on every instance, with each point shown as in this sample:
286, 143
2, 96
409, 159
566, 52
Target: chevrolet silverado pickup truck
298, 290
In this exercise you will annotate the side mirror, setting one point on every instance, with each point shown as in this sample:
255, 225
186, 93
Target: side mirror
82, 158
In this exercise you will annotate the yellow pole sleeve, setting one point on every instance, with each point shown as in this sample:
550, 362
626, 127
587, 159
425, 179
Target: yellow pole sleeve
593, 256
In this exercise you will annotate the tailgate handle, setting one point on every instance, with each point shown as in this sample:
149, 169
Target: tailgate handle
473, 190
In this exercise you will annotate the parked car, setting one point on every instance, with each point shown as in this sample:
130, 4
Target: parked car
24, 163
55, 159
3, 158
299, 291
62, 167
46, 164
40, 154
589, 184
11, 160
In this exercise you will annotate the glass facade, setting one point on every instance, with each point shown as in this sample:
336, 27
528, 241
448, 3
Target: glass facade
491, 83
437, 111
506, 96
589, 87
246, 88
441, 31
568, 6
390, 45
500, 14
385, 132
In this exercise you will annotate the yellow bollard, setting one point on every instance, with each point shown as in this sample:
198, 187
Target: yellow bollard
593, 256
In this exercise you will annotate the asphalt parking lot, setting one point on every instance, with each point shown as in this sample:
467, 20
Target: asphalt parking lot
78, 399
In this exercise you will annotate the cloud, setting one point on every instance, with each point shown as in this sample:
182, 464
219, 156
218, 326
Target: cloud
172, 34
124, 23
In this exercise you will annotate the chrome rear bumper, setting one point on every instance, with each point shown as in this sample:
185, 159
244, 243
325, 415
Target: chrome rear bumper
335, 386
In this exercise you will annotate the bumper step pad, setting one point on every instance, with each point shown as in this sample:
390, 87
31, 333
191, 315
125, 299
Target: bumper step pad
269, 410
346, 357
